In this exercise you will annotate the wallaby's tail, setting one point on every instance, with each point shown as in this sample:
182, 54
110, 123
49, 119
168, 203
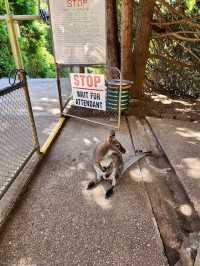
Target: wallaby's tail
133, 159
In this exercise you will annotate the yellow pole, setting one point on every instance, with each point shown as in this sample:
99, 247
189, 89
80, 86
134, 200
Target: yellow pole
13, 37
52, 136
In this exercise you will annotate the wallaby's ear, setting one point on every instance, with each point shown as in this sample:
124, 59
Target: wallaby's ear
112, 135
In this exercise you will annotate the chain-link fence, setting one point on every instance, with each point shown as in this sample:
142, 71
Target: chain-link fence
17, 140
108, 117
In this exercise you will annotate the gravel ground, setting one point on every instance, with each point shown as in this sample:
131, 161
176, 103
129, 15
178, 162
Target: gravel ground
59, 222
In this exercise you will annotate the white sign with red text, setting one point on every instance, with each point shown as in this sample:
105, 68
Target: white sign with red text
89, 91
79, 31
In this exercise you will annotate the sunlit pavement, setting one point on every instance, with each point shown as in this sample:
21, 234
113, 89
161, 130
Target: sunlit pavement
45, 104
180, 141
59, 222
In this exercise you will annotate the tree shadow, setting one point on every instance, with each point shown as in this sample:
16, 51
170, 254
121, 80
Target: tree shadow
162, 106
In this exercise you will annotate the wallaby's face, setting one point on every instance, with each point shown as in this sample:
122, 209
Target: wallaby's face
113, 141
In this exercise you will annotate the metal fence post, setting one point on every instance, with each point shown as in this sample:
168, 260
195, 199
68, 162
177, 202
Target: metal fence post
14, 42
120, 101
13, 37
58, 76
22, 77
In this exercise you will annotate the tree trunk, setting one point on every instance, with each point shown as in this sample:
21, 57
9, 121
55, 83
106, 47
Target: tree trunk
127, 39
113, 47
141, 51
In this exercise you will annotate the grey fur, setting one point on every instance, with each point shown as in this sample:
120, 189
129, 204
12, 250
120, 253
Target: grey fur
108, 162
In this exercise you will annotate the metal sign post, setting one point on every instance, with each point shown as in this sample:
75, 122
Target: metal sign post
80, 40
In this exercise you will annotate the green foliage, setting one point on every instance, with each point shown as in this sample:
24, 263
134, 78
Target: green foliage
35, 42
39, 62
96, 70
190, 4
2, 7
169, 76
23, 7
6, 61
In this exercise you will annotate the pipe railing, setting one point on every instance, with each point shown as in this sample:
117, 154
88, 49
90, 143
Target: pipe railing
21, 17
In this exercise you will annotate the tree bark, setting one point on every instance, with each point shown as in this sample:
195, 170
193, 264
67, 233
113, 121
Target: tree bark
141, 51
113, 46
127, 39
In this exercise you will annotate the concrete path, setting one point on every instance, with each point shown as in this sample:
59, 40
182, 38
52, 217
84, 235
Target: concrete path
45, 104
180, 141
16, 135
59, 222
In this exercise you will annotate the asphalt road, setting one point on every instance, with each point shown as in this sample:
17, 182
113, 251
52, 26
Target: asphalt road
16, 139
45, 104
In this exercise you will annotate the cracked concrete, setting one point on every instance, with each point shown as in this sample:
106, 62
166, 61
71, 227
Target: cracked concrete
59, 222
180, 141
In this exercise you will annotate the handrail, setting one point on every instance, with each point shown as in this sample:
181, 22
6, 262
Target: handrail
21, 17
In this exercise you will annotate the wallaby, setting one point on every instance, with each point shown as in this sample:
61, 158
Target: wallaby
108, 162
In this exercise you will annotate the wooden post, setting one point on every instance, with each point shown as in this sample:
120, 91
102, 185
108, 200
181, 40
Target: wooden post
113, 46
141, 51
13, 37
127, 39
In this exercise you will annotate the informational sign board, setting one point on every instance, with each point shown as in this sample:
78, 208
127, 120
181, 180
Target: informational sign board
79, 31
89, 91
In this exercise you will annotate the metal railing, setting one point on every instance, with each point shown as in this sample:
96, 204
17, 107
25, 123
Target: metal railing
18, 137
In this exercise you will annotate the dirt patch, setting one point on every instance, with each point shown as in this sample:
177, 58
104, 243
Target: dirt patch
162, 106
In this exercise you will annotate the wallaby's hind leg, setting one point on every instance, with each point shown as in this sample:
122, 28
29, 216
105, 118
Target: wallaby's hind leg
93, 183
110, 191
98, 179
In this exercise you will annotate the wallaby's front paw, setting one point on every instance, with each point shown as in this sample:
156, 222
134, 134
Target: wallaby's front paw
91, 185
109, 193
104, 169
